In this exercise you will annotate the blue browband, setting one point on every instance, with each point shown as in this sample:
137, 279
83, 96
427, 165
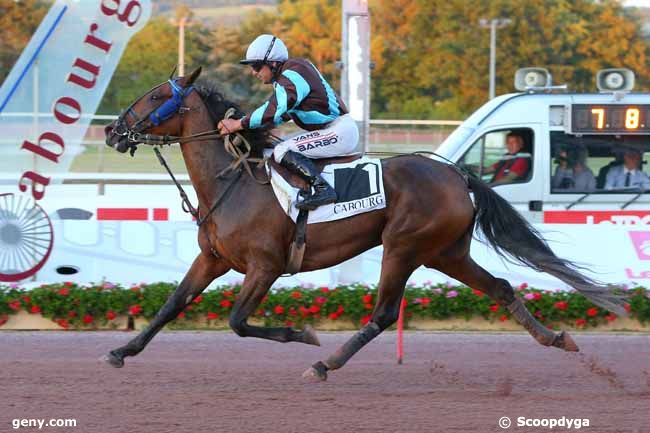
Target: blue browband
171, 106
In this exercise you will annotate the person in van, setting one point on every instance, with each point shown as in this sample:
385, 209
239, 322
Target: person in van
572, 173
514, 165
629, 174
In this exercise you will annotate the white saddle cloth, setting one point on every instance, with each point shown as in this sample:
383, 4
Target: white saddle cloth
358, 184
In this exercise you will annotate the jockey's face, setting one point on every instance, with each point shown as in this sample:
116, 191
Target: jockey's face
262, 72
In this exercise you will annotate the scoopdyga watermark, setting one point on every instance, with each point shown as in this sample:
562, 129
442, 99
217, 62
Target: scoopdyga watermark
549, 423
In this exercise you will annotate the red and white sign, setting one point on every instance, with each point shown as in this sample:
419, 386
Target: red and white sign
132, 214
620, 217
641, 242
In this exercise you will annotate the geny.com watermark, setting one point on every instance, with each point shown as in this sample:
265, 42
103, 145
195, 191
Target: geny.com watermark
40, 423
550, 423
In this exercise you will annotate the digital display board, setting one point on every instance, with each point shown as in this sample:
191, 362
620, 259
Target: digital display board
610, 119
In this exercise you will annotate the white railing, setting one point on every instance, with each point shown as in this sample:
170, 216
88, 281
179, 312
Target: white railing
97, 164
415, 122
372, 121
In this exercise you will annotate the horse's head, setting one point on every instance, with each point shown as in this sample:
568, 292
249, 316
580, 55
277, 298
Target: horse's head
155, 112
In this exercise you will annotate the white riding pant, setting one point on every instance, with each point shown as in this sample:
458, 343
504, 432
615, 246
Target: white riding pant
340, 138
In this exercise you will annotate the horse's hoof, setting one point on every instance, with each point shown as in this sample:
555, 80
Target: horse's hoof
313, 375
565, 342
113, 360
309, 336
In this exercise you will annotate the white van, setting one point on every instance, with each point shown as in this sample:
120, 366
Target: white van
582, 155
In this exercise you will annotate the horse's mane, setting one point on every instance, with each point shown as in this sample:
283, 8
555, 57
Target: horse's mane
217, 106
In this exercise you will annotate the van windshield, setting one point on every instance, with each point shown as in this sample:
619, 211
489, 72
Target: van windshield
611, 164
458, 137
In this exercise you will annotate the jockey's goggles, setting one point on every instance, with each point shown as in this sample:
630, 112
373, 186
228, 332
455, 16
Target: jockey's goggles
257, 66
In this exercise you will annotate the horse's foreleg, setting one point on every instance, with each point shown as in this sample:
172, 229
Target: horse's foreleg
256, 285
394, 274
203, 271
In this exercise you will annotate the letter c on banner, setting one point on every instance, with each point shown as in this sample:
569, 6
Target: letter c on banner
65, 118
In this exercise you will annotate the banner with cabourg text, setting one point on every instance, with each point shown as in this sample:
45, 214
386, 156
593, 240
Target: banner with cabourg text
46, 105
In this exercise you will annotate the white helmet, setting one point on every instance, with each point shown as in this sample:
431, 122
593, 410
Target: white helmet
266, 48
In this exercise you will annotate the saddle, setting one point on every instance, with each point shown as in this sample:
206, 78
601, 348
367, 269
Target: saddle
297, 248
346, 177
297, 182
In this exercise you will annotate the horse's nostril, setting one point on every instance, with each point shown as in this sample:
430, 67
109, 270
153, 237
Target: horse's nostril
108, 133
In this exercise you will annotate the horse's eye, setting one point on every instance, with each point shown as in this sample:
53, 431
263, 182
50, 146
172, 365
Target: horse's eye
154, 97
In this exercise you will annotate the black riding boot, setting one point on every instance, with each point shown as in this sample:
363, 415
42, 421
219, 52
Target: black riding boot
305, 168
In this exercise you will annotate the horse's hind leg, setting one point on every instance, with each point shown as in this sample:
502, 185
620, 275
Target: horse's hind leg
394, 274
203, 271
466, 270
256, 285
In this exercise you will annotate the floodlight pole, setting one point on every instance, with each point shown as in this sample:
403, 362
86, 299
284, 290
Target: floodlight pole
181, 46
493, 25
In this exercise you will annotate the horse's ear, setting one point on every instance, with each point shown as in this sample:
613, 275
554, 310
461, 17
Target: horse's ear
171, 76
193, 76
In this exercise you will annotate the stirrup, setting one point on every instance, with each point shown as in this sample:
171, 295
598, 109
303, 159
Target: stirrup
304, 193
314, 201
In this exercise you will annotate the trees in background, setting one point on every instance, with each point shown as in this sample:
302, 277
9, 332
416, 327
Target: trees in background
443, 53
310, 29
431, 56
18, 22
150, 58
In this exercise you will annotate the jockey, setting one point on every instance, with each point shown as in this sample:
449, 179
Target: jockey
300, 93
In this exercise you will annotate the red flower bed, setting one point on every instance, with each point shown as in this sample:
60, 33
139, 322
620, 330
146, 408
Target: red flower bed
73, 306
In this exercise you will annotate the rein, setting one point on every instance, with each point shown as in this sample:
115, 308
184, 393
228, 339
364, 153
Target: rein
232, 142
187, 205
168, 109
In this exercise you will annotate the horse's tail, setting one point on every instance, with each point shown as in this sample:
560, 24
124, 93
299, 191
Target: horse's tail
510, 234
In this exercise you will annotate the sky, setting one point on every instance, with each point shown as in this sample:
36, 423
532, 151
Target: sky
645, 3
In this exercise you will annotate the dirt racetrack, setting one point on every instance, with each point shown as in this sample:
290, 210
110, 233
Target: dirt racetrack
218, 382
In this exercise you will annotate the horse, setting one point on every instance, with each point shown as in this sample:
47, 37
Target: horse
429, 220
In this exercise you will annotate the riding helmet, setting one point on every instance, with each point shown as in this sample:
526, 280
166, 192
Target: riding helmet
266, 48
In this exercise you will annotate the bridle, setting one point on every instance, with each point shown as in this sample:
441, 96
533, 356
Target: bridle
135, 135
174, 105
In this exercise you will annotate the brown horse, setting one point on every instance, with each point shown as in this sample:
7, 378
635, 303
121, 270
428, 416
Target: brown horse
428, 221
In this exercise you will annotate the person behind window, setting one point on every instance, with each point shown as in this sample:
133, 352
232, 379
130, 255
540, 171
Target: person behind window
514, 165
628, 175
602, 173
572, 173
